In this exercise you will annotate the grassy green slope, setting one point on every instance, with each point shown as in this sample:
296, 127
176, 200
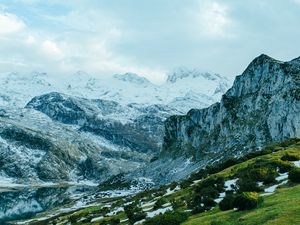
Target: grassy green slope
281, 208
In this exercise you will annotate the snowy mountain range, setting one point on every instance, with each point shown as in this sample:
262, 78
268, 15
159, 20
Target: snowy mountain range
82, 128
191, 87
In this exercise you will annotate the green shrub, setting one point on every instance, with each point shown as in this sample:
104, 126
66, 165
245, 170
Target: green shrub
134, 213
185, 183
246, 184
104, 210
112, 221
290, 157
215, 182
247, 200
205, 192
289, 142
227, 203
208, 202
284, 166
177, 203
169, 218
261, 170
265, 174
198, 209
173, 185
199, 175
294, 175
159, 203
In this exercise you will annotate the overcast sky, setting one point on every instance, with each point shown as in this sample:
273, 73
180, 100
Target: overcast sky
148, 37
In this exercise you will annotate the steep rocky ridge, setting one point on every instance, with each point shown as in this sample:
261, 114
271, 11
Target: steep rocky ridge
262, 106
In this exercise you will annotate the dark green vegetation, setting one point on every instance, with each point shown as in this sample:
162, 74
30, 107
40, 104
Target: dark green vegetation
195, 203
169, 218
294, 175
134, 213
240, 201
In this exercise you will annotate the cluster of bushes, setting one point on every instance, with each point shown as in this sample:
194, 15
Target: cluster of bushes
159, 203
177, 203
294, 175
289, 142
290, 157
112, 221
204, 194
241, 201
169, 218
283, 166
260, 171
134, 213
203, 173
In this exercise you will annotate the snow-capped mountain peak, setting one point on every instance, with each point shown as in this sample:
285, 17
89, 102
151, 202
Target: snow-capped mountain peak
132, 78
122, 88
183, 73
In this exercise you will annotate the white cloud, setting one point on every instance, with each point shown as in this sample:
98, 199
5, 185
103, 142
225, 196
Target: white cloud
213, 19
51, 48
30, 39
296, 1
10, 23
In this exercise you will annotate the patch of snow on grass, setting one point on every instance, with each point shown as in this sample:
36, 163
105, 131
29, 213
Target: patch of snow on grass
169, 191
270, 190
158, 211
139, 222
148, 204
260, 184
120, 209
282, 176
97, 218
297, 163
229, 183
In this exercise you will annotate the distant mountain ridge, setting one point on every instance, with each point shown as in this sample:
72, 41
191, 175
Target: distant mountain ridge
123, 88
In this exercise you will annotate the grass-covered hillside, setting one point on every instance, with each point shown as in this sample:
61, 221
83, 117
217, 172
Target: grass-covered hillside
260, 188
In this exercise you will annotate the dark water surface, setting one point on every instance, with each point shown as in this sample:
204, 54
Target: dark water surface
25, 203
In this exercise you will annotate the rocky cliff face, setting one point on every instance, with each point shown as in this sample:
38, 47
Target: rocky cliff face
137, 127
262, 106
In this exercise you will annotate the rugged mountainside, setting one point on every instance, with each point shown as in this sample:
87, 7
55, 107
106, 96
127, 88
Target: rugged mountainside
136, 127
75, 137
33, 148
262, 106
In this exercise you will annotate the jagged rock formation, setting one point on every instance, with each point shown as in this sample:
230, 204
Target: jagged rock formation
262, 106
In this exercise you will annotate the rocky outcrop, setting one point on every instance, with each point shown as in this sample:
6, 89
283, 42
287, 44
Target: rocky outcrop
137, 127
262, 106
33, 149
